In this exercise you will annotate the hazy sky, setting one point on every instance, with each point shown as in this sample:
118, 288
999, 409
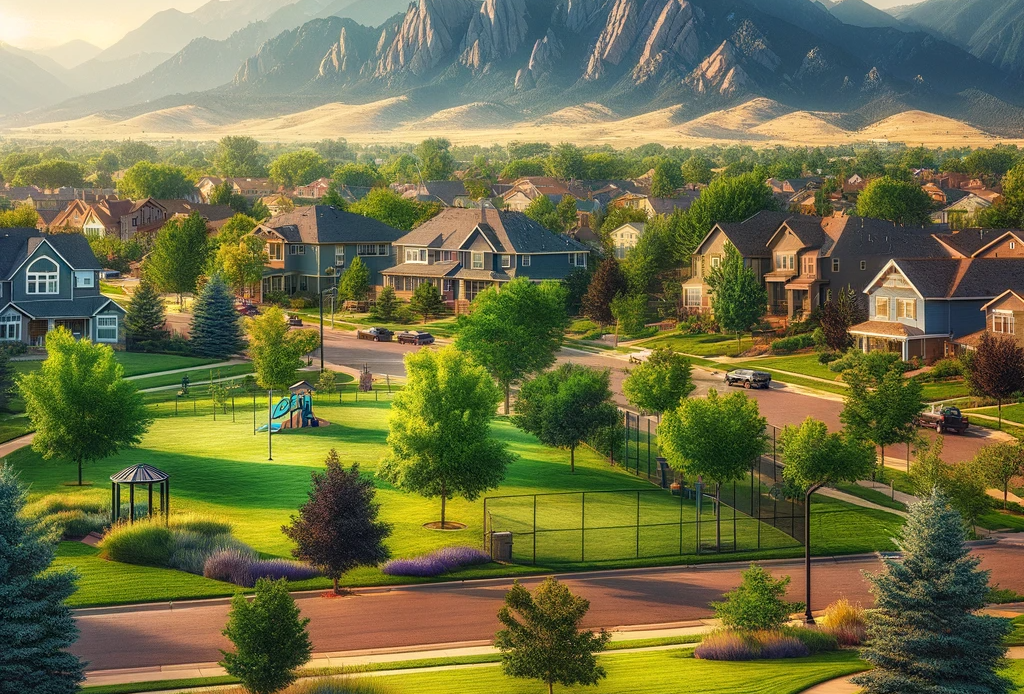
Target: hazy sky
42, 23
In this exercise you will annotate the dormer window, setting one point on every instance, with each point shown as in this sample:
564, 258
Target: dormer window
275, 251
478, 261
42, 277
415, 255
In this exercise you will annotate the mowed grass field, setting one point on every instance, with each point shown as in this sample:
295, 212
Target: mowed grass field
221, 469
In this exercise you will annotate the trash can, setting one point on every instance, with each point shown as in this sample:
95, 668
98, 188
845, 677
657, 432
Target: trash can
501, 547
664, 471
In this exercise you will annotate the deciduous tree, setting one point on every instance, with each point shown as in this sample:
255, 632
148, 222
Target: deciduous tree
667, 179
79, 403
566, 407
269, 636
996, 369
242, 263
515, 332
439, 430
385, 205
355, 281
900, 202
607, 283
758, 603
716, 438
52, 173
240, 156
727, 199
542, 638
338, 528
1001, 464
275, 350
881, 410
161, 181
544, 212
738, 298
926, 633
37, 628
357, 175
436, 160
660, 382
299, 168
179, 255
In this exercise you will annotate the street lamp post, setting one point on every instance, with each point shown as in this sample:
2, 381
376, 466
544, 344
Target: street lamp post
332, 291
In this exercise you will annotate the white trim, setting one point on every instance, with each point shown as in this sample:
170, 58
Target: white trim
998, 298
884, 270
50, 246
46, 277
993, 241
97, 326
473, 231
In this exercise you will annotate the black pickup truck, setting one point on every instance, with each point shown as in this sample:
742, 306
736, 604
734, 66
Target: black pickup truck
749, 378
944, 419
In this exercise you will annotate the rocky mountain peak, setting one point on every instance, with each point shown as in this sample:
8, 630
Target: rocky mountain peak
721, 73
577, 15
616, 39
668, 30
495, 32
340, 58
427, 36
544, 58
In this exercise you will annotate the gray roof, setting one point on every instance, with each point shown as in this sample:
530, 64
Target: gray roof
808, 230
422, 269
863, 237
79, 307
964, 278
18, 244
969, 241
508, 232
140, 474
670, 205
324, 224
751, 236
441, 191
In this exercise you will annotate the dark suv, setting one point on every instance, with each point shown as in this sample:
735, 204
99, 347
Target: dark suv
748, 378
415, 337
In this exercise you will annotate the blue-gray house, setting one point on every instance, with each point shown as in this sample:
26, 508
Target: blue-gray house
49, 281
310, 247
465, 251
917, 307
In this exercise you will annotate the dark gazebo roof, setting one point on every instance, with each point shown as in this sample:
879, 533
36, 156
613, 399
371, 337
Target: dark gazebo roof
301, 386
140, 474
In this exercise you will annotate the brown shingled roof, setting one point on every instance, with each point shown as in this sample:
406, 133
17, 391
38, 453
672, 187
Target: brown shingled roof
886, 328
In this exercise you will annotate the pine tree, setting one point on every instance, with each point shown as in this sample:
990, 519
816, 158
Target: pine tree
427, 301
606, 284
926, 636
355, 282
738, 298
6, 379
37, 627
216, 328
386, 305
270, 638
145, 318
337, 529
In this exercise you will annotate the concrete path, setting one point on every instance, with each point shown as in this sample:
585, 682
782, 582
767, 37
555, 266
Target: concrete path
857, 501
895, 495
220, 365
14, 444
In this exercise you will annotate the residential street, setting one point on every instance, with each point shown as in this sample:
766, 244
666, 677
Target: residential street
465, 612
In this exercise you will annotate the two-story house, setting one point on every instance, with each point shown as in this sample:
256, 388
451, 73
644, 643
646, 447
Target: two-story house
794, 282
310, 247
49, 281
466, 251
750, 237
920, 307
119, 218
625, 238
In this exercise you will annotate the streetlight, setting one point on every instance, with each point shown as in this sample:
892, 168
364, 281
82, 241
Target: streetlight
333, 291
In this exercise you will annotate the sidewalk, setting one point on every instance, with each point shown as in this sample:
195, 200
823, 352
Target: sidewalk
857, 501
377, 656
221, 365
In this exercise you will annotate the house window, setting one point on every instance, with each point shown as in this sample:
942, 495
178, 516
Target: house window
10, 327
275, 251
692, 299
135, 221
578, 259
373, 249
906, 308
277, 283
835, 265
447, 256
716, 262
339, 256
1002, 322
783, 262
84, 279
524, 260
42, 277
1013, 244
415, 255
506, 261
863, 265
810, 265
296, 249
106, 328
303, 284
478, 261
882, 307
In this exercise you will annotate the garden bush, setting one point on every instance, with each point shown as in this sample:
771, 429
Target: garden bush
846, 622
192, 549
56, 503
74, 524
147, 542
724, 645
788, 642
241, 566
945, 368
13, 349
202, 525
874, 362
436, 563
786, 345
816, 640
699, 324
757, 604
828, 357
775, 645
337, 685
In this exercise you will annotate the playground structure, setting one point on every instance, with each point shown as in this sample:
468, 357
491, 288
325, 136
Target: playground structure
297, 407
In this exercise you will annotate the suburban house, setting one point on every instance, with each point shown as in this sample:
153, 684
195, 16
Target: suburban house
315, 190
795, 281
624, 238
120, 218
251, 188
525, 190
49, 281
965, 204
278, 203
310, 247
216, 216
656, 206
447, 193
750, 237
920, 307
464, 252
1004, 317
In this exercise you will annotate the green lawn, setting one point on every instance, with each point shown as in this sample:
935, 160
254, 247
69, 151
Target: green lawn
1011, 413
135, 363
805, 364
444, 327
195, 375
944, 390
700, 345
873, 495
13, 425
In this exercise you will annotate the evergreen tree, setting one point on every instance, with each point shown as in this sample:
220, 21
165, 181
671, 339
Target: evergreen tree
386, 305
926, 633
338, 528
542, 638
6, 379
427, 301
145, 318
269, 636
216, 329
355, 281
839, 313
36, 626
607, 283
333, 198
667, 179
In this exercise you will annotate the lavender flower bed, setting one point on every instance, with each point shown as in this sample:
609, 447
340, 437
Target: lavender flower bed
244, 568
436, 563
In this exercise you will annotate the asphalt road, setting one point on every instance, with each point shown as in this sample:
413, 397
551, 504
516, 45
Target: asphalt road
461, 612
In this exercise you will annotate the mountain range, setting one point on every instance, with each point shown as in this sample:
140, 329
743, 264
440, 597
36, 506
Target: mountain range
510, 60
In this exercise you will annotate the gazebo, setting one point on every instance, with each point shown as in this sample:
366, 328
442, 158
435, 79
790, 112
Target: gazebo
140, 474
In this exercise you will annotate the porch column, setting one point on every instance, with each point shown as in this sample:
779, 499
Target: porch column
790, 301
462, 289
906, 350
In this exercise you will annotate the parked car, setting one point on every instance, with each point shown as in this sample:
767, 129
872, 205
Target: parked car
415, 337
295, 320
247, 310
748, 378
639, 357
375, 334
943, 419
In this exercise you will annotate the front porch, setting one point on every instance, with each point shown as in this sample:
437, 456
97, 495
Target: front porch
907, 341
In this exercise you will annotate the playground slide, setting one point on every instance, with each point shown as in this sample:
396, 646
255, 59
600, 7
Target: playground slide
287, 405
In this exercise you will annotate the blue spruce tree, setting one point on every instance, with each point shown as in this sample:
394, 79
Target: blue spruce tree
216, 326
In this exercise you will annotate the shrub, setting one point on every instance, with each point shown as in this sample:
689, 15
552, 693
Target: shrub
724, 645
74, 524
583, 326
337, 685
231, 566
199, 524
946, 368
192, 549
56, 503
774, 645
1002, 596
699, 324
816, 640
757, 604
13, 349
436, 563
846, 622
276, 569
876, 363
145, 542
828, 357
785, 345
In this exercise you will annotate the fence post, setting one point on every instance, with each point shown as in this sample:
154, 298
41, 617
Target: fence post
534, 529
735, 544
254, 413
486, 548
637, 523
583, 527
680, 520
648, 449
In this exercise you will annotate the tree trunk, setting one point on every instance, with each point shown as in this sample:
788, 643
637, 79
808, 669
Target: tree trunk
443, 495
508, 390
79, 473
881, 475
999, 407
1006, 492
551, 687
572, 459
336, 591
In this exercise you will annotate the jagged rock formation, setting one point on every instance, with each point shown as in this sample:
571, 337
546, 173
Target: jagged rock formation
872, 80
426, 37
342, 57
749, 39
669, 29
495, 32
616, 39
544, 58
721, 73
577, 15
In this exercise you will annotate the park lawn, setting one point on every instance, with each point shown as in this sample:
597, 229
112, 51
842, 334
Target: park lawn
194, 375
841, 528
1011, 412
700, 345
673, 671
873, 495
112, 290
944, 390
134, 363
13, 425
803, 364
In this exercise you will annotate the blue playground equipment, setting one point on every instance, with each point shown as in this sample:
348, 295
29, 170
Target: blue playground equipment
300, 403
